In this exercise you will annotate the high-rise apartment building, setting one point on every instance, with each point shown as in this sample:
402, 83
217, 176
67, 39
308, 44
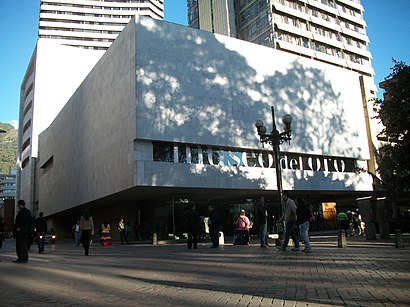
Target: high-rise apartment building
331, 31
92, 24
72, 37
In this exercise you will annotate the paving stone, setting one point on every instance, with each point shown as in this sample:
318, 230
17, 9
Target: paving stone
363, 274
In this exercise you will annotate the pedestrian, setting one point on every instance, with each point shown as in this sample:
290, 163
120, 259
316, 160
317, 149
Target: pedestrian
128, 231
289, 217
40, 226
192, 225
262, 219
137, 229
343, 221
350, 223
105, 235
202, 229
121, 230
214, 225
22, 229
76, 232
87, 230
241, 232
1, 231
303, 218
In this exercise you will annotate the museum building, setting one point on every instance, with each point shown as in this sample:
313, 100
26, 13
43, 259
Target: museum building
166, 118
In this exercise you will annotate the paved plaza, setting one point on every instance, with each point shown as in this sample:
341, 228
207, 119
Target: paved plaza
366, 273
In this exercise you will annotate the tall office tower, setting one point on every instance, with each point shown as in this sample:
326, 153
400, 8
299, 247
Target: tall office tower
72, 37
92, 24
330, 31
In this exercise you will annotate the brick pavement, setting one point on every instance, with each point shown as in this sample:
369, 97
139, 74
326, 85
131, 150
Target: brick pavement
366, 273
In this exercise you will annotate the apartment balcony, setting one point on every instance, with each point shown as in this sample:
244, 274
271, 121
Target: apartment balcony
86, 19
355, 34
292, 29
358, 20
323, 7
361, 68
327, 40
353, 3
291, 11
25, 154
357, 50
77, 34
296, 48
325, 23
69, 25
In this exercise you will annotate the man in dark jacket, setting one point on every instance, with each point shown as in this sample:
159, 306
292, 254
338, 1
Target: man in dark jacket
40, 226
303, 218
192, 225
22, 229
214, 225
262, 219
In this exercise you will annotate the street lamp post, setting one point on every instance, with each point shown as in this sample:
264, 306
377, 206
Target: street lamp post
275, 138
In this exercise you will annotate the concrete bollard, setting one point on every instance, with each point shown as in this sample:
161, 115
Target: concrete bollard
398, 239
154, 239
221, 238
341, 239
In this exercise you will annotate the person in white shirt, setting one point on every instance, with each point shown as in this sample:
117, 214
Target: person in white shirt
290, 218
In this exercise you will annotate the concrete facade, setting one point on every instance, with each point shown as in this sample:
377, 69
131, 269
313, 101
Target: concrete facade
73, 35
164, 83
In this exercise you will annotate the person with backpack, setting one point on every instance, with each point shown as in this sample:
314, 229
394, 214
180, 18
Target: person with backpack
40, 226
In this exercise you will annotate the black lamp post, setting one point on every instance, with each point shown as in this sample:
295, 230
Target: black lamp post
275, 138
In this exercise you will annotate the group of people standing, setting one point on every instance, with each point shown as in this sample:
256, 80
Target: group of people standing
296, 217
351, 223
25, 229
193, 223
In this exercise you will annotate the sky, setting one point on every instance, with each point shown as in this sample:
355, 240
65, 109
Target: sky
388, 28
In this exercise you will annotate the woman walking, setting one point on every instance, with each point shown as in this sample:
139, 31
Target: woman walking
87, 230
105, 236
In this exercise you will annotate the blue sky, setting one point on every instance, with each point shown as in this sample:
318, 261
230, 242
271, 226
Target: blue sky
388, 27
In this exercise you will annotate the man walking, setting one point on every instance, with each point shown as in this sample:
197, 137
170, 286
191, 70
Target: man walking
40, 226
22, 229
214, 225
262, 218
290, 218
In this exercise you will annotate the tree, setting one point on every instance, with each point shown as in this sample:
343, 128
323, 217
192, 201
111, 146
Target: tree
394, 113
8, 148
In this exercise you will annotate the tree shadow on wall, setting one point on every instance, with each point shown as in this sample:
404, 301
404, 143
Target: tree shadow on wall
209, 90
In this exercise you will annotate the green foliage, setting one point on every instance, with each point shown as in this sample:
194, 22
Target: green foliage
394, 166
8, 148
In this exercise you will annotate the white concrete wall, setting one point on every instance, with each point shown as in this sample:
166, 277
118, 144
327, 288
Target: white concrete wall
213, 88
91, 140
209, 89
59, 71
